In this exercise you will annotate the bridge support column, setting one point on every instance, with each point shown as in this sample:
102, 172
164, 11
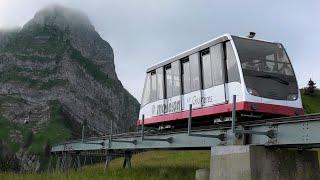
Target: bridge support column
108, 160
127, 159
259, 162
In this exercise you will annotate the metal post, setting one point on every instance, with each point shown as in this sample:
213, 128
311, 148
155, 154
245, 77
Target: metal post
190, 119
234, 118
78, 161
108, 160
63, 161
142, 128
58, 163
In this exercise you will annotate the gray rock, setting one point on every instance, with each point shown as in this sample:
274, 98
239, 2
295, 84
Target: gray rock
59, 57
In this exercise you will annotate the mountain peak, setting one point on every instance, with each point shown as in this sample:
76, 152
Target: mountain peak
60, 16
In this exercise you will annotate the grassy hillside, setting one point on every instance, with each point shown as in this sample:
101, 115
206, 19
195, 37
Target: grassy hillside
30, 138
148, 165
311, 103
17, 136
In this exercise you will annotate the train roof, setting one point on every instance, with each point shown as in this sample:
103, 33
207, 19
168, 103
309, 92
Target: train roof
193, 50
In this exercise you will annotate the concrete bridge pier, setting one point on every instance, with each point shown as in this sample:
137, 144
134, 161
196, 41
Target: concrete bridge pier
260, 162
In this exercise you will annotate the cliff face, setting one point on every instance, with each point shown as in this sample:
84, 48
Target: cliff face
57, 69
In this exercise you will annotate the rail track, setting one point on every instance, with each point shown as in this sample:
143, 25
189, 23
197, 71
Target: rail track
218, 126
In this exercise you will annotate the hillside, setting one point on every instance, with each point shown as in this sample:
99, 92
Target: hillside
56, 73
311, 103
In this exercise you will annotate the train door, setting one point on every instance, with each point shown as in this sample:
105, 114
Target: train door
213, 76
172, 79
157, 83
190, 70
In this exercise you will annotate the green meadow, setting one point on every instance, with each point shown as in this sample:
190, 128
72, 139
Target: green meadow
147, 165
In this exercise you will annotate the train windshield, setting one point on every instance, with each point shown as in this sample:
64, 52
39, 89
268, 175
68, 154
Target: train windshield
263, 56
266, 68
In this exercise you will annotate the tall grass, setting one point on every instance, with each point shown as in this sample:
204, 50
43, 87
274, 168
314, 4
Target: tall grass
148, 165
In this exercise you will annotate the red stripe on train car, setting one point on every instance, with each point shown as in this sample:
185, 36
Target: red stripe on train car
225, 108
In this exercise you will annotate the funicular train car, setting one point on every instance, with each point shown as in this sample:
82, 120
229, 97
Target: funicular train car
207, 76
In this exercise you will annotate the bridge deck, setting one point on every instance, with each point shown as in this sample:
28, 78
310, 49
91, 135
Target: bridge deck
298, 132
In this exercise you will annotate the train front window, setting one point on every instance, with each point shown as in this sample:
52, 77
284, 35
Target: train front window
266, 69
263, 56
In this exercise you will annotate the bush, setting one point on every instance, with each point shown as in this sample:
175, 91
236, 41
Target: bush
8, 160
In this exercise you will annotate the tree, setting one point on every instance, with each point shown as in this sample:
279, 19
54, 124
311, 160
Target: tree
311, 87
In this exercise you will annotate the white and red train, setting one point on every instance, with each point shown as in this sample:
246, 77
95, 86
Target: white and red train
207, 76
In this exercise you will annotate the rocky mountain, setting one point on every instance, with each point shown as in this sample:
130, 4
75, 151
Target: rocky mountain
56, 73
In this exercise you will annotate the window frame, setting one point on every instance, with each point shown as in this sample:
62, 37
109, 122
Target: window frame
153, 95
182, 72
195, 70
203, 80
176, 71
166, 67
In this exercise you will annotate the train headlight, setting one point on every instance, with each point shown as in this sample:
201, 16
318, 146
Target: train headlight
252, 91
292, 97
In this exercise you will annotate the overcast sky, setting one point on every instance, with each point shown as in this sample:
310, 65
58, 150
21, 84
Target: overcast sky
145, 32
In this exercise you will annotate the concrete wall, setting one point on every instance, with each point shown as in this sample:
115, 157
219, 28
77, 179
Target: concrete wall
259, 162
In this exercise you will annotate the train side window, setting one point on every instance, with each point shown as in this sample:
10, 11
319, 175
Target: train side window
185, 72
168, 81
207, 81
195, 71
160, 83
176, 85
217, 64
146, 90
232, 66
153, 93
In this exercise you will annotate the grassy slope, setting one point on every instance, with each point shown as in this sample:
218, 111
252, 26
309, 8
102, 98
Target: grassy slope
50, 133
311, 103
47, 134
148, 165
